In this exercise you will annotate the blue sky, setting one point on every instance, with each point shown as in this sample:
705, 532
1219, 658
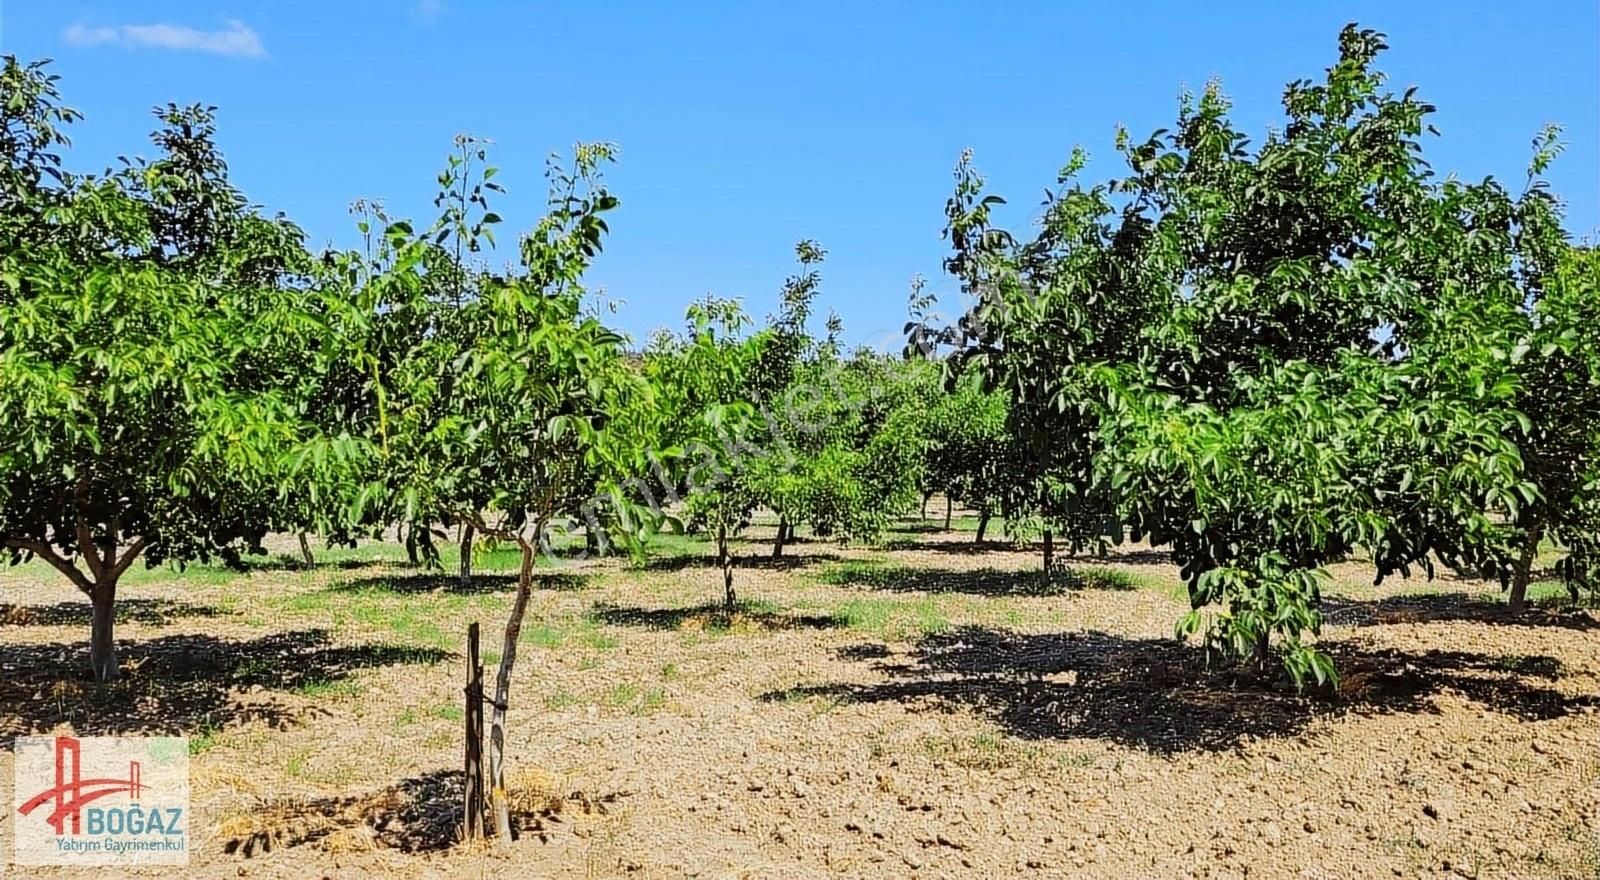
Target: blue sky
745, 127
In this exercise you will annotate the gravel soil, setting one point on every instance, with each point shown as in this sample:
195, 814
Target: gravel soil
925, 709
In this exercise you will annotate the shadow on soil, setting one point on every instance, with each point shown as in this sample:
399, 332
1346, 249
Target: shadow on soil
1156, 693
416, 815
1447, 607
285, 562
153, 612
969, 547
978, 581
179, 684
764, 562
444, 583
711, 616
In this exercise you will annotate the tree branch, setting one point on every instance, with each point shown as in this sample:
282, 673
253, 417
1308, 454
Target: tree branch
48, 554
128, 556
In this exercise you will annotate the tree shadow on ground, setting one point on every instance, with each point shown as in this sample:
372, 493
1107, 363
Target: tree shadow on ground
1156, 694
286, 562
763, 562
1130, 556
153, 612
417, 815
1448, 607
711, 616
479, 584
967, 547
179, 684
979, 581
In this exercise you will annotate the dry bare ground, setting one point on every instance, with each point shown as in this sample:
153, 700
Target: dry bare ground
921, 710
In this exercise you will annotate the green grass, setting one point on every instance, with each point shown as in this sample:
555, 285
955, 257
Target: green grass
854, 572
204, 739
449, 712
1095, 577
318, 688
893, 619
636, 700
561, 700
553, 635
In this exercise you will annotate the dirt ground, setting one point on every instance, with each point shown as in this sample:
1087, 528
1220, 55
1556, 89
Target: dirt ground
926, 709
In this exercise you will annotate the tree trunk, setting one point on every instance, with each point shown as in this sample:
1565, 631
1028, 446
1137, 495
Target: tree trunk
1049, 554
102, 646
947, 513
305, 552
411, 544
467, 534
730, 599
983, 526
1524, 573
1263, 650
783, 535
925, 497
502, 696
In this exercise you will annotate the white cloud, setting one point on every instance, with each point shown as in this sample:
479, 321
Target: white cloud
236, 39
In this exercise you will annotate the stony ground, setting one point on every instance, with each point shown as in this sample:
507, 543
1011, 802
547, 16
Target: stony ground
926, 709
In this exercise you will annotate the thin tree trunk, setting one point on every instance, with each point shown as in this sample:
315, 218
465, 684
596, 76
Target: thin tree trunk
1049, 554
502, 695
983, 526
102, 644
730, 599
783, 535
947, 513
1524, 573
1263, 650
925, 497
467, 534
591, 542
305, 552
411, 544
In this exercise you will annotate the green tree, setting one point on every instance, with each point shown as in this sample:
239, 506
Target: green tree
702, 380
502, 416
154, 346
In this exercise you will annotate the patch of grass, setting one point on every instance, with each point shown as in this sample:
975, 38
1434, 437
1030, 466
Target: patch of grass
893, 619
314, 602
318, 688
861, 572
296, 765
988, 751
204, 739
636, 700
561, 700
1096, 577
553, 635
449, 712
669, 672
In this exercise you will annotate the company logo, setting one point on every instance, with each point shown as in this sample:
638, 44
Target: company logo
102, 800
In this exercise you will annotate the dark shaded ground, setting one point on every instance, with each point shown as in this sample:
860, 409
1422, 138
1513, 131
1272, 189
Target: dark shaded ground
710, 614
415, 815
155, 612
977, 582
1448, 607
286, 562
762, 562
177, 684
480, 584
1157, 694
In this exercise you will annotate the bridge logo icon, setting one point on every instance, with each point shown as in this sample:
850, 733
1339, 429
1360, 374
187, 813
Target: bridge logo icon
100, 800
72, 791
